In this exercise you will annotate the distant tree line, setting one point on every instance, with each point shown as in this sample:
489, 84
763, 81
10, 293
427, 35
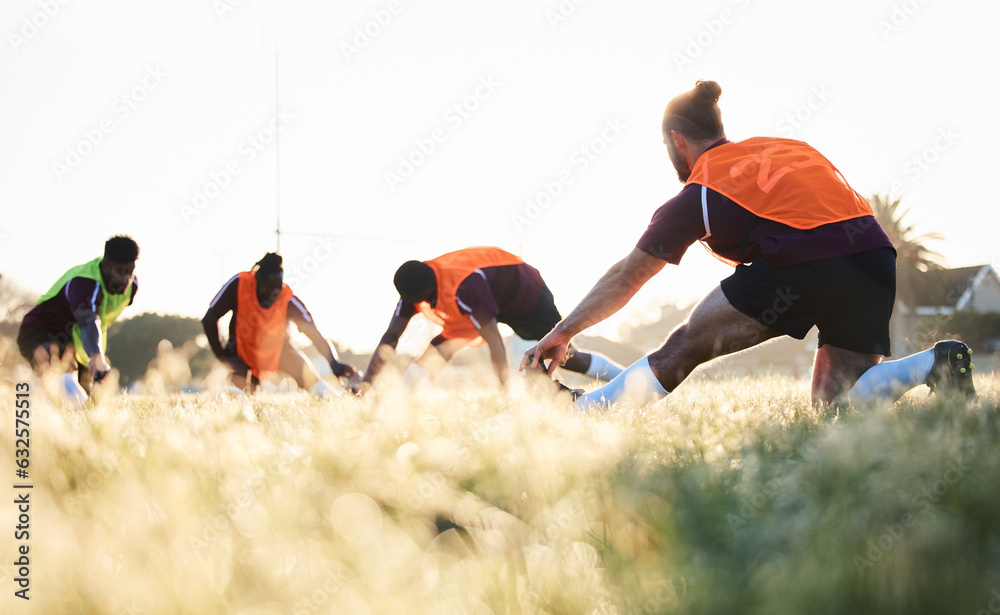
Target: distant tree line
133, 343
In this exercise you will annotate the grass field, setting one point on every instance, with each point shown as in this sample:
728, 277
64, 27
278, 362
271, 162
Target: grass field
732, 496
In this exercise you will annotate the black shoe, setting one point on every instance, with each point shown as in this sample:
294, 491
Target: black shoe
574, 394
952, 369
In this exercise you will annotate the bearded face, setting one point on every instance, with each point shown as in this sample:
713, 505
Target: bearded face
680, 164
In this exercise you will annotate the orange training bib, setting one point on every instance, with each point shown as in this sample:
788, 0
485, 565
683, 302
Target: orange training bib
260, 332
450, 269
780, 179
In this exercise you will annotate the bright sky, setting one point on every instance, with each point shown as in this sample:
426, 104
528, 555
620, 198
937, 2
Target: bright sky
428, 126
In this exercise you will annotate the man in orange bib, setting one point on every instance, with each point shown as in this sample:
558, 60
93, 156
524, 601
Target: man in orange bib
468, 292
262, 305
807, 251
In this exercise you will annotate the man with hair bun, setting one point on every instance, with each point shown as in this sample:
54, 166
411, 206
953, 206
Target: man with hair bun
68, 328
258, 344
807, 252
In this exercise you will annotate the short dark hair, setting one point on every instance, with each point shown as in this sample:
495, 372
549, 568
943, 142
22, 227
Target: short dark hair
121, 249
414, 280
270, 264
696, 113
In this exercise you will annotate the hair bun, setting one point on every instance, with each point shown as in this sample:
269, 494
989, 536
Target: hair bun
706, 92
271, 263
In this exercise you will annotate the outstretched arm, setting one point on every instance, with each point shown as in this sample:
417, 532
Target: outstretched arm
386, 349
225, 301
90, 337
609, 295
210, 324
322, 346
498, 352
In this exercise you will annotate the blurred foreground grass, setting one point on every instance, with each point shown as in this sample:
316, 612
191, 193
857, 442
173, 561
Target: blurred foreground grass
730, 496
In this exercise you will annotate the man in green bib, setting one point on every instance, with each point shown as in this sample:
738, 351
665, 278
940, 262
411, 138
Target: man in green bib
68, 328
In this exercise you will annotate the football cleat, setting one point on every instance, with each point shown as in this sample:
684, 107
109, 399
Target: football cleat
952, 368
574, 394
559, 387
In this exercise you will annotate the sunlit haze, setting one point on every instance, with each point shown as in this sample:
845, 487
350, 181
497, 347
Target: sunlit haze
382, 131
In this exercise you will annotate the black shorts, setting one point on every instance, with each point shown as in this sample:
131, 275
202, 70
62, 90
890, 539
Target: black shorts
848, 298
537, 323
27, 342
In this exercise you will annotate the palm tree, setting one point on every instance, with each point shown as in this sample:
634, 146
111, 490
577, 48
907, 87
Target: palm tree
913, 257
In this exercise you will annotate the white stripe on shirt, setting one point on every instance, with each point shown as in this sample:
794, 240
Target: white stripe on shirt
302, 308
465, 307
218, 295
704, 212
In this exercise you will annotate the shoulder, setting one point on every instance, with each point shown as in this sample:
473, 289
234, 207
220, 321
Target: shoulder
83, 292
477, 281
226, 297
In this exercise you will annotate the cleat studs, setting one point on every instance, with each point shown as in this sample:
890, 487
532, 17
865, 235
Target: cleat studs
959, 356
962, 370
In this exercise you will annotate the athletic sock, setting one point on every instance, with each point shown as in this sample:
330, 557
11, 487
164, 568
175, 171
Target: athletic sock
602, 367
635, 385
413, 376
75, 395
891, 379
324, 391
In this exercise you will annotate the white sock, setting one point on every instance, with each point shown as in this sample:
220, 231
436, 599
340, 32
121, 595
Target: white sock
636, 385
891, 379
602, 367
73, 391
324, 391
413, 376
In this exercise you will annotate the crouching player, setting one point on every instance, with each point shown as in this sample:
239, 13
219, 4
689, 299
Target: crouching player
258, 343
67, 330
469, 292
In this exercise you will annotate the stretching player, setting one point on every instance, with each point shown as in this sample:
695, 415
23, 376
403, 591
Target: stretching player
468, 292
68, 328
258, 346
807, 250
